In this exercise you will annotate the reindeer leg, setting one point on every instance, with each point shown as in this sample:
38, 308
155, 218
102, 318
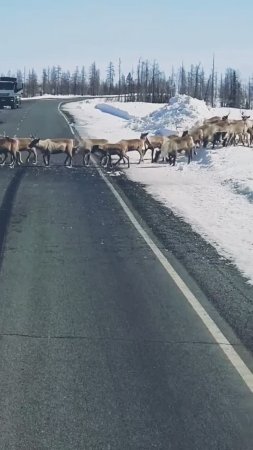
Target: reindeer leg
104, 160
70, 161
86, 159
3, 160
13, 158
157, 154
225, 141
33, 151
172, 158
117, 162
46, 158
152, 154
30, 152
28, 156
19, 159
66, 160
190, 156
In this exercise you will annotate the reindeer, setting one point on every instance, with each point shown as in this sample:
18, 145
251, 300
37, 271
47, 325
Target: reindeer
8, 146
110, 150
23, 145
197, 135
88, 146
216, 119
158, 152
213, 131
238, 128
250, 133
176, 144
131, 145
54, 146
152, 143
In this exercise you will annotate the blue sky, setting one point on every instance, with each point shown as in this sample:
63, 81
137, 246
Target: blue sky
78, 32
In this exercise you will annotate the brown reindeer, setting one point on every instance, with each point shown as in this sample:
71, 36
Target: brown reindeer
109, 150
152, 143
137, 145
50, 147
8, 146
88, 146
176, 144
23, 146
238, 128
212, 131
216, 119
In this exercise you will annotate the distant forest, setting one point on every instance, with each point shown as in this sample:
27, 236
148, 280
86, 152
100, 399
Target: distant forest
146, 83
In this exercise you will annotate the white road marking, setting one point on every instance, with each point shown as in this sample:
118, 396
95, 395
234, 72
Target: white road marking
213, 329
65, 118
217, 334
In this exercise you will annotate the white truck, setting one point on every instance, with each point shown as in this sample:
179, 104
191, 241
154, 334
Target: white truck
10, 92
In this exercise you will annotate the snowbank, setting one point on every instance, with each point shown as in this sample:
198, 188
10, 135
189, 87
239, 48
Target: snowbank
182, 112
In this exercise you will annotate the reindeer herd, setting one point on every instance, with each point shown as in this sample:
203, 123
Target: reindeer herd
216, 130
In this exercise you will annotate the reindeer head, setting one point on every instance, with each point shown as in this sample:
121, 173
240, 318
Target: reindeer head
34, 142
225, 117
144, 135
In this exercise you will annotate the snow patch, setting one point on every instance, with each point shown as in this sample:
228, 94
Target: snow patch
109, 109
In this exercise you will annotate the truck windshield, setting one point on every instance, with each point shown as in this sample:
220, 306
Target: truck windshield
6, 85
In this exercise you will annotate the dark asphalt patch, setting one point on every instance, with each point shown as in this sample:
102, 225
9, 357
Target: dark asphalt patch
7, 206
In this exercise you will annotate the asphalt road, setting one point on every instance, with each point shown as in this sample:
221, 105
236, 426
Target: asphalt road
99, 348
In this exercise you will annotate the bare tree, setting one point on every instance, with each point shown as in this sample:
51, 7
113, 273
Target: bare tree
83, 81
182, 88
65, 87
32, 87
110, 77
94, 79
45, 82
212, 85
75, 82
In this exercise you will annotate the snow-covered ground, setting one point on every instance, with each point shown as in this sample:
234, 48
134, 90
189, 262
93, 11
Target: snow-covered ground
49, 96
60, 96
214, 193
